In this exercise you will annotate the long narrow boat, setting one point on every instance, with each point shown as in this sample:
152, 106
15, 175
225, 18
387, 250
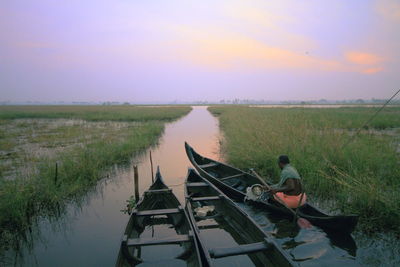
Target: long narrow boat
226, 234
159, 231
234, 182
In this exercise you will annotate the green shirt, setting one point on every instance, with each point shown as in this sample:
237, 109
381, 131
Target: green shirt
288, 172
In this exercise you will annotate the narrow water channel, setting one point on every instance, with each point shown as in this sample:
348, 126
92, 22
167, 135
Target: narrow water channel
90, 235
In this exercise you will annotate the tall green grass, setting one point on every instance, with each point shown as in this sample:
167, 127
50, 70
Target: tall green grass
25, 199
361, 178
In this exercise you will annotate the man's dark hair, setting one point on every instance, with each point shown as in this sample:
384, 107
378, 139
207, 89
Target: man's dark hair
283, 159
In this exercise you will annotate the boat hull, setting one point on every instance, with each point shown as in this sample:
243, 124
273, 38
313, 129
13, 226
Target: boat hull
235, 188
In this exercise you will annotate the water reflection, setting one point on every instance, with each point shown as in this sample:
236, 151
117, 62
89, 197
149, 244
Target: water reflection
307, 246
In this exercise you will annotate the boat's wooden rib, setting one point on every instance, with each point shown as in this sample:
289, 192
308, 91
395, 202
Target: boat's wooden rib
240, 250
158, 241
208, 198
245, 236
157, 212
234, 182
232, 177
159, 207
196, 184
211, 164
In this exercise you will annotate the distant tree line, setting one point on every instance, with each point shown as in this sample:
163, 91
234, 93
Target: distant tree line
235, 101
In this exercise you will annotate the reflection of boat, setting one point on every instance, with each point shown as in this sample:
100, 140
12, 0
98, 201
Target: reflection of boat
289, 231
171, 242
243, 241
233, 182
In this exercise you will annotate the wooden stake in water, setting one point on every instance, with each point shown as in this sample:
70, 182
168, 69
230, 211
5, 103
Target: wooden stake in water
136, 182
56, 174
151, 166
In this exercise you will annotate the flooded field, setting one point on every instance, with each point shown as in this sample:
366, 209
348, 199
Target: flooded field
25, 141
89, 234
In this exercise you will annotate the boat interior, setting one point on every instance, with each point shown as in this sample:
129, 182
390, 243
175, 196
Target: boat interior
159, 226
222, 229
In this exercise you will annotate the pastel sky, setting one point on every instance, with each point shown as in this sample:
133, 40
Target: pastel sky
98, 50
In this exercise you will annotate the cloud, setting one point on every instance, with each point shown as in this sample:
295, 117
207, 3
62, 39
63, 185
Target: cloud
242, 52
362, 58
372, 70
389, 9
365, 59
219, 49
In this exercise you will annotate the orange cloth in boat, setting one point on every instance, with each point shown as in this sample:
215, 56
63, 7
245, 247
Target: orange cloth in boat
291, 201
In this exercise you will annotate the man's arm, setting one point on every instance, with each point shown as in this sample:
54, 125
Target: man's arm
289, 185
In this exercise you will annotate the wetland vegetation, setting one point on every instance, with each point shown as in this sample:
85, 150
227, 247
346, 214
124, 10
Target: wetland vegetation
84, 141
354, 174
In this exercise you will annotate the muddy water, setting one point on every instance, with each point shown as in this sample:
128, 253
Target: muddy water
90, 235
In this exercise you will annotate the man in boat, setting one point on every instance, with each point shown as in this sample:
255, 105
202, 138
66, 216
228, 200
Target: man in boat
289, 189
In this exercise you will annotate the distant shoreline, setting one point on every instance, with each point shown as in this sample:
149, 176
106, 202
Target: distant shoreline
321, 106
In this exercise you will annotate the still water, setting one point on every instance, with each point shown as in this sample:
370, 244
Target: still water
90, 235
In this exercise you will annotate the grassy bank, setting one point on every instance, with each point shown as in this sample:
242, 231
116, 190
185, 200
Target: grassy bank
364, 174
29, 196
93, 113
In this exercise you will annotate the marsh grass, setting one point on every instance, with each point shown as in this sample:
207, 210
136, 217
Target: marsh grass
94, 113
40, 193
362, 177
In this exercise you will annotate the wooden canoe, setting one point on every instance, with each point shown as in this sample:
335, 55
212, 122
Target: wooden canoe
244, 242
159, 231
233, 182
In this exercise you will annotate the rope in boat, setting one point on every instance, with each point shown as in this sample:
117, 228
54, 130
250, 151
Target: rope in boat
370, 119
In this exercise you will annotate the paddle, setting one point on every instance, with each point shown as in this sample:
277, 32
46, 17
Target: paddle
301, 222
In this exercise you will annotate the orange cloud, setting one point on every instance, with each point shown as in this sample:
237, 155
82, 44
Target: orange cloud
363, 58
222, 50
372, 70
252, 53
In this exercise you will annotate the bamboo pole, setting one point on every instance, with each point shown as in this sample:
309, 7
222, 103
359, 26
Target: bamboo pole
151, 166
56, 174
136, 182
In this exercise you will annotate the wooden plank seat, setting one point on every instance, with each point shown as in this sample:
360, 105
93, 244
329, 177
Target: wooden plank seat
158, 191
206, 198
230, 177
211, 164
157, 221
157, 212
197, 184
240, 250
151, 241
